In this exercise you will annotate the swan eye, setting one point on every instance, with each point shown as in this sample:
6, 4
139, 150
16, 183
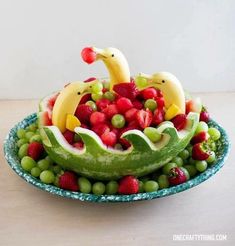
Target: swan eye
163, 81
79, 93
112, 55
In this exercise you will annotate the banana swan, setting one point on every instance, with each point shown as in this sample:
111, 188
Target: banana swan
67, 101
115, 62
171, 88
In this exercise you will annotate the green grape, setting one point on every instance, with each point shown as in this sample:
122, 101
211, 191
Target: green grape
153, 134
141, 81
191, 170
202, 126
214, 133
56, 181
35, 171
23, 150
151, 104
141, 186
189, 149
155, 175
185, 162
151, 186
56, 169
167, 167
118, 146
213, 146
33, 127
28, 135
109, 95
97, 88
48, 158
98, 188
97, 96
192, 161
178, 161
47, 177
118, 121
37, 132
163, 181
201, 166
76, 138
184, 154
106, 85
21, 141
211, 157
20, 133
35, 138
185, 172
43, 164
92, 105
144, 179
112, 187
84, 185
27, 163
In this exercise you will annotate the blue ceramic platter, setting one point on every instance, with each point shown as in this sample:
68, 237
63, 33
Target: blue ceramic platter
11, 149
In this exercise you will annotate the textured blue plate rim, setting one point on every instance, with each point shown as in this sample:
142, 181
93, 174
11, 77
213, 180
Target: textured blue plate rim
13, 161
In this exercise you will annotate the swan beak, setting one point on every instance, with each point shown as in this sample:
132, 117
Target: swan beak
100, 54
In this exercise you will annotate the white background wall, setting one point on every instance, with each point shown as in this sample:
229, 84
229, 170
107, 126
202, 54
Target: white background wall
40, 41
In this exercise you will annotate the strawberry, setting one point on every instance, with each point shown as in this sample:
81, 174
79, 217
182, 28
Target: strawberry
159, 93
97, 118
109, 138
35, 150
204, 115
68, 181
69, 136
128, 185
160, 102
158, 116
179, 121
149, 93
88, 55
102, 103
130, 114
144, 118
176, 176
200, 137
200, 152
110, 111
84, 126
137, 104
78, 145
124, 104
124, 142
83, 113
89, 79
128, 90
85, 98
134, 125
104, 90
100, 129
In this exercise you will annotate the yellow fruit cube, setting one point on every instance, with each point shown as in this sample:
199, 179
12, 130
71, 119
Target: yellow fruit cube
72, 122
171, 112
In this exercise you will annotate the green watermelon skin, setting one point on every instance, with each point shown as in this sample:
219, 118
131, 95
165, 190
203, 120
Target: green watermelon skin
98, 162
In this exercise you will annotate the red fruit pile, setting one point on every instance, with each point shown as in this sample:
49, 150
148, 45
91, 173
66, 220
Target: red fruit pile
128, 103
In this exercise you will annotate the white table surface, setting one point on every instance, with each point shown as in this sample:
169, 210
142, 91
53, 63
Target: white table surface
29, 216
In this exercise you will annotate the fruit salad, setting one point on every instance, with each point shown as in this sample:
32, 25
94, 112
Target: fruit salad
119, 135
